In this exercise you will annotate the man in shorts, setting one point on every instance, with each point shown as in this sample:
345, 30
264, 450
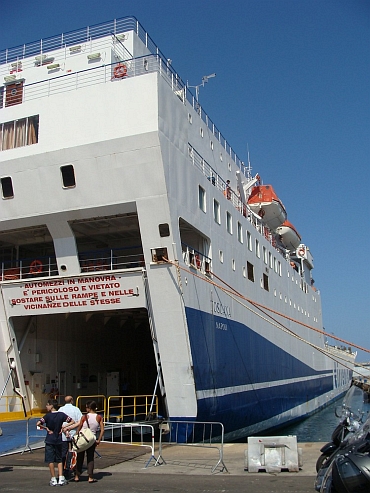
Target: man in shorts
52, 422
73, 412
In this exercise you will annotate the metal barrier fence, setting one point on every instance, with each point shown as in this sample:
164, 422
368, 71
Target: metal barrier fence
133, 407
193, 433
115, 433
40, 436
121, 407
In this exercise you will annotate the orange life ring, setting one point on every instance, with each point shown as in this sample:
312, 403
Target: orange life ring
120, 71
36, 266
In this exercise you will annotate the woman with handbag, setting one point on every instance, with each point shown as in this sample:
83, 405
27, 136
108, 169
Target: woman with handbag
93, 421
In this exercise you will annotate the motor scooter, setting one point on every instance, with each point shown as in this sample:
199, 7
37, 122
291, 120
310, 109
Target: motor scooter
349, 422
349, 471
348, 430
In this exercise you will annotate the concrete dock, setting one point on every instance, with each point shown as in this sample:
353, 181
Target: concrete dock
122, 468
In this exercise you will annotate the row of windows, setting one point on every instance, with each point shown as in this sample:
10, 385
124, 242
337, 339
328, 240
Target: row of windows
268, 258
248, 272
67, 174
19, 133
190, 119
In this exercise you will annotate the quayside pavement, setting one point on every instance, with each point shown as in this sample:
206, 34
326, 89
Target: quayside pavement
121, 469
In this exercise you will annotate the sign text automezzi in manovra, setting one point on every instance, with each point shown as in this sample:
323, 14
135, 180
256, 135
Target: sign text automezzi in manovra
74, 295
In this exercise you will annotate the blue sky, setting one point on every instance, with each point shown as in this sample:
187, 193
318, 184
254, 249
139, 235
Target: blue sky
293, 86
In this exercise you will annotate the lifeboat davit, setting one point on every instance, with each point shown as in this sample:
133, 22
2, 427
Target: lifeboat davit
290, 237
264, 202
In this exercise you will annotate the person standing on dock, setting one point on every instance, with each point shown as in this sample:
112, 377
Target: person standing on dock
95, 422
52, 422
75, 413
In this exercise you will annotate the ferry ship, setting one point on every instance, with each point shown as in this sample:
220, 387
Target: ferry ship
136, 246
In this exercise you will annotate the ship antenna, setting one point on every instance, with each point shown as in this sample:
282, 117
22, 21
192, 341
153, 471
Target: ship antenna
248, 168
204, 80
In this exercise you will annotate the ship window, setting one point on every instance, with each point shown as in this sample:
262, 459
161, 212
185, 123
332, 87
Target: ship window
221, 255
216, 212
271, 262
279, 268
250, 270
201, 132
233, 264
240, 232
249, 241
7, 187
229, 224
19, 133
264, 255
164, 230
190, 118
202, 199
68, 176
275, 265
258, 253
211, 144
1, 97
265, 282
244, 272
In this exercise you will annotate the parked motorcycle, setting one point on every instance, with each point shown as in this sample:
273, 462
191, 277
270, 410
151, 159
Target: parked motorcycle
349, 471
348, 431
349, 422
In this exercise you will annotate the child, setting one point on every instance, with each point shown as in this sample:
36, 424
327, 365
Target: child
52, 422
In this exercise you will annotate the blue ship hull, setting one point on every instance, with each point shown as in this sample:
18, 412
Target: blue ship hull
243, 379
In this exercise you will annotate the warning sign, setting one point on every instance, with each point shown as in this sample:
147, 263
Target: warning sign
74, 294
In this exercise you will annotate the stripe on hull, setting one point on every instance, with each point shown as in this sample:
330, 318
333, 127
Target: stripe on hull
242, 378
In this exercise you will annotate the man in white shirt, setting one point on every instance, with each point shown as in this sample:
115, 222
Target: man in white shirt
74, 412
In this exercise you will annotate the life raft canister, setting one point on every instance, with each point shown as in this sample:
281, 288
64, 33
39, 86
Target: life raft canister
36, 266
120, 71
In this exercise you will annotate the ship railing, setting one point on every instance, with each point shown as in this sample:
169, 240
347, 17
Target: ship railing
194, 434
116, 27
100, 399
124, 408
94, 261
196, 259
11, 404
112, 259
29, 268
121, 408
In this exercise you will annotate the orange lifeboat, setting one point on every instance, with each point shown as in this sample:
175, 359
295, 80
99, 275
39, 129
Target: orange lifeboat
290, 237
264, 202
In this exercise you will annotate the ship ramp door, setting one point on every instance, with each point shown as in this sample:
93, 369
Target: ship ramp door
79, 353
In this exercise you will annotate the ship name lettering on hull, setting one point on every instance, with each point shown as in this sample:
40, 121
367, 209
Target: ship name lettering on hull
220, 309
